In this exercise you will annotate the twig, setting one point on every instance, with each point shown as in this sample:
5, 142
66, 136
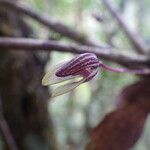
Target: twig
5, 131
37, 44
50, 23
98, 17
136, 41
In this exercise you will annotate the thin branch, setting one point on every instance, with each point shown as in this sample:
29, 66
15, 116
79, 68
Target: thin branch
5, 131
136, 41
37, 44
50, 23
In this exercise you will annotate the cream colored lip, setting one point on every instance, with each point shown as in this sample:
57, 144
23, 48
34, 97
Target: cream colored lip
66, 88
50, 79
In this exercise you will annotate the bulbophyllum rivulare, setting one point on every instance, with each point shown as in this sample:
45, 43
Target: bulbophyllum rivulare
80, 69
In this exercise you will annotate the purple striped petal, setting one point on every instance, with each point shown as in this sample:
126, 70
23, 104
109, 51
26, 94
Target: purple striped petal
77, 65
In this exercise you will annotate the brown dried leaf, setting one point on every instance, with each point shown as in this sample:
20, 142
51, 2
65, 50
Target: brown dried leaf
121, 129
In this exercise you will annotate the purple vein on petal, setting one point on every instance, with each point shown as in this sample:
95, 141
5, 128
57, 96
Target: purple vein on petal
79, 63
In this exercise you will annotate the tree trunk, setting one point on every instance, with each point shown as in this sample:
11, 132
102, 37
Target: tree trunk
24, 100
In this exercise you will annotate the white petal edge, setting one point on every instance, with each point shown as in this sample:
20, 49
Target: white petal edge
50, 78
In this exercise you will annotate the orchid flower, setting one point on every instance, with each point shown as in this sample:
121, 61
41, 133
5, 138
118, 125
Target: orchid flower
80, 69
